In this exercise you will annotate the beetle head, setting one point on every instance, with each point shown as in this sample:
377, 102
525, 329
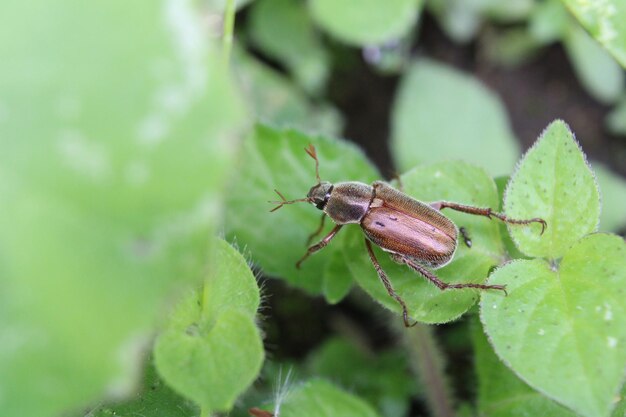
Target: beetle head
319, 194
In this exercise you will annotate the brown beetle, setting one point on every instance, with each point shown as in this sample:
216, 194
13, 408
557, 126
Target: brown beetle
415, 234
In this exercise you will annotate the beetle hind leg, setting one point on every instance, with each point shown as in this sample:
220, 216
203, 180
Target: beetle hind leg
385, 280
487, 212
438, 282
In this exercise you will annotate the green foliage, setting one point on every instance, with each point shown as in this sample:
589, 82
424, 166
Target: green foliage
380, 378
597, 70
195, 353
563, 324
444, 181
97, 124
500, 392
127, 142
283, 29
275, 159
606, 21
366, 22
563, 329
613, 193
422, 131
553, 182
318, 397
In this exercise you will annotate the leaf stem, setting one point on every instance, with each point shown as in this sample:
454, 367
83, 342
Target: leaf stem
428, 364
229, 25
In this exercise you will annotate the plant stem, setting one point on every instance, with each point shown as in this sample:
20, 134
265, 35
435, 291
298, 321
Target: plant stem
428, 364
229, 26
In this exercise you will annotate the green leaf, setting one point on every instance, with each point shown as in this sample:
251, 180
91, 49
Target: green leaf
275, 159
380, 378
596, 69
274, 99
564, 330
337, 279
459, 19
440, 114
211, 349
606, 21
553, 182
284, 30
458, 182
155, 399
366, 22
111, 173
549, 21
616, 119
613, 192
500, 392
318, 398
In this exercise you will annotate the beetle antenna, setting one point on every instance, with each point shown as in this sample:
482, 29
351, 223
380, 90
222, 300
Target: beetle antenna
285, 201
313, 154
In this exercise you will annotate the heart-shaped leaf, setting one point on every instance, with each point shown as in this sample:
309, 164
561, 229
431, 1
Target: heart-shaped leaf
563, 330
211, 349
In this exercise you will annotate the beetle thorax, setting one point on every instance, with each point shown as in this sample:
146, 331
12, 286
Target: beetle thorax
348, 202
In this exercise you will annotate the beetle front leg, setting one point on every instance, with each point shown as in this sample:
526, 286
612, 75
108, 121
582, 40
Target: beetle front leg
487, 212
319, 246
383, 277
438, 282
317, 231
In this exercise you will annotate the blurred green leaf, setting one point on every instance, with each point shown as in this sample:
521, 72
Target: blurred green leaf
460, 19
155, 399
500, 392
366, 22
440, 113
337, 279
553, 182
284, 30
275, 159
115, 147
381, 378
613, 193
211, 349
616, 119
510, 47
274, 99
549, 21
563, 330
318, 398
458, 182
606, 21
598, 72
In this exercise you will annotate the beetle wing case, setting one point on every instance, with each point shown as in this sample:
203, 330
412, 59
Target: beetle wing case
400, 224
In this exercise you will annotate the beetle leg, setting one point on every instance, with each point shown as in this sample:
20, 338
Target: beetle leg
316, 232
466, 237
439, 283
319, 246
383, 277
487, 212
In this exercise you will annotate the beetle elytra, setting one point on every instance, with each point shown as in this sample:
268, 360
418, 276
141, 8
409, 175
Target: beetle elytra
413, 233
